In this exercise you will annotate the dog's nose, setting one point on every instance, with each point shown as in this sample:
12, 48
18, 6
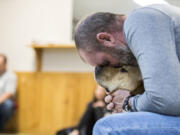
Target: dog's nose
98, 70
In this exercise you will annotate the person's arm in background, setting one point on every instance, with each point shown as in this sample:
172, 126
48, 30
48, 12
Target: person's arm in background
87, 117
150, 36
85, 120
4, 97
10, 88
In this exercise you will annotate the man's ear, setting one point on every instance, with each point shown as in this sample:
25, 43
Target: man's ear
106, 38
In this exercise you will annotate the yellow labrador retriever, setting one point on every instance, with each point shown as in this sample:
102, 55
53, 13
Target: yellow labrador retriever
125, 78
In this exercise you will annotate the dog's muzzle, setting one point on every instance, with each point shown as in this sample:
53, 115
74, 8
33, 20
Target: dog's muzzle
98, 72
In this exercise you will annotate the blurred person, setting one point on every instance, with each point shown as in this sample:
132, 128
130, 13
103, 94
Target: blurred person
95, 110
7, 90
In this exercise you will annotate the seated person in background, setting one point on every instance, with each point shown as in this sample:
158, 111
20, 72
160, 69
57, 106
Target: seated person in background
7, 90
95, 110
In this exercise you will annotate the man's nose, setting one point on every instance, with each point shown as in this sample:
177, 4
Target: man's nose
98, 70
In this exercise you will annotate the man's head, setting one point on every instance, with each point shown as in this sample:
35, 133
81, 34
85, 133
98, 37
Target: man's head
3, 61
100, 40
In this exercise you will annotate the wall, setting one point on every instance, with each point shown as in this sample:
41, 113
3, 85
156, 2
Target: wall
63, 60
85, 7
24, 21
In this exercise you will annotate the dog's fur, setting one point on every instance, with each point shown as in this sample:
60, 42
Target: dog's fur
125, 78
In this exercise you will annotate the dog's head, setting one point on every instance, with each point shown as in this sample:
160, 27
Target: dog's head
126, 77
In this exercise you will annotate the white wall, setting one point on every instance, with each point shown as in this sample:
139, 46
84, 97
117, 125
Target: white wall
63, 60
85, 7
24, 21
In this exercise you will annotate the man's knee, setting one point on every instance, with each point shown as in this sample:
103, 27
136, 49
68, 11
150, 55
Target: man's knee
102, 127
97, 130
116, 124
7, 106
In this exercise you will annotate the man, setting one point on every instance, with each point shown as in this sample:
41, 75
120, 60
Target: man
7, 90
152, 35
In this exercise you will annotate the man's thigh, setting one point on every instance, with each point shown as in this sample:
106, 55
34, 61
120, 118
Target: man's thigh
138, 123
7, 107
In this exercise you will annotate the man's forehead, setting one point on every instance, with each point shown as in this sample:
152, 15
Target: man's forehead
93, 58
82, 54
86, 57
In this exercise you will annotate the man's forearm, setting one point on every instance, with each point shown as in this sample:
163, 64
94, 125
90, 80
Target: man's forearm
4, 97
144, 102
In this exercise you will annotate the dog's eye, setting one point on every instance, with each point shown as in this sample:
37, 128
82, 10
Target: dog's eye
123, 70
107, 90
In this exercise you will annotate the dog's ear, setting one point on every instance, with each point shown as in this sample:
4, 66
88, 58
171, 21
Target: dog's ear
138, 90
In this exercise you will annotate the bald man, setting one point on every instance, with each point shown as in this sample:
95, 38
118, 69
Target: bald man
7, 91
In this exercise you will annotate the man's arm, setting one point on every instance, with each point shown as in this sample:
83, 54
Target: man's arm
87, 117
4, 97
150, 36
10, 88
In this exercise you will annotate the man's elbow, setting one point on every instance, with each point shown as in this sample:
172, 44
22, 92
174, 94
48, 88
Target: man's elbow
8, 96
157, 104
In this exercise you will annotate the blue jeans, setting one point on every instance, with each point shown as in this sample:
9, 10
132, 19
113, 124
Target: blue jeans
6, 111
138, 123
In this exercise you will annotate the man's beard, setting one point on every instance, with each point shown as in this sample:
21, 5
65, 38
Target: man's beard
124, 55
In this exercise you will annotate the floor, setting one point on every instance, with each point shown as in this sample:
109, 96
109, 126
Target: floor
15, 134
21, 134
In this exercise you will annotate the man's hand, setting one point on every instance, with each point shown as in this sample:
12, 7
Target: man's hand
99, 104
115, 100
74, 132
4, 97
